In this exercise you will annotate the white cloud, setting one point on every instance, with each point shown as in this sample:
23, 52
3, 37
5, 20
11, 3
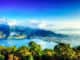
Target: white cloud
58, 26
44, 44
3, 20
12, 23
66, 27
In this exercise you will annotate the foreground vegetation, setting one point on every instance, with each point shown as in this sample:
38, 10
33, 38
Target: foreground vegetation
34, 52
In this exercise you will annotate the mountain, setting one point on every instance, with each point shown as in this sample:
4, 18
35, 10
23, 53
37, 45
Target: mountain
36, 33
4, 31
45, 33
22, 32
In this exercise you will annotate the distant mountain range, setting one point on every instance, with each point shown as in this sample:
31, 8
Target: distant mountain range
4, 31
21, 32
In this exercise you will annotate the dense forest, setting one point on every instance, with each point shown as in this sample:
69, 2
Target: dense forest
34, 52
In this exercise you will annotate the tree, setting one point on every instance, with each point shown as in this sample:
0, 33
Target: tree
77, 50
36, 50
10, 51
64, 52
48, 54
25, 53
2, 57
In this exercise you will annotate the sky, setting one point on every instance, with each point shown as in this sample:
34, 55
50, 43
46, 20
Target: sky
60, 16
39, 9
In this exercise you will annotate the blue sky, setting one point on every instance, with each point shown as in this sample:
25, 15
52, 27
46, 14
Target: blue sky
39, 9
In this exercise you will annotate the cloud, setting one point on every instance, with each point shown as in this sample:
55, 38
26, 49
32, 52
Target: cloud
44, 44
58, 26
51, 25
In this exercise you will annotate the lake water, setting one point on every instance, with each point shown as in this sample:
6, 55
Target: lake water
19, 43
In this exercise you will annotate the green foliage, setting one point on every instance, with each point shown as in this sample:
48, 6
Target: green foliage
65, 51
35, 48
2, 57
34, 52
48, 52
11, 49
24, 51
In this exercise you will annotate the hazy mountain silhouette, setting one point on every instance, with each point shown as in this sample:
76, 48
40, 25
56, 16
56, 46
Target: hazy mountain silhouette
29, 32
4, 28
33, 32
